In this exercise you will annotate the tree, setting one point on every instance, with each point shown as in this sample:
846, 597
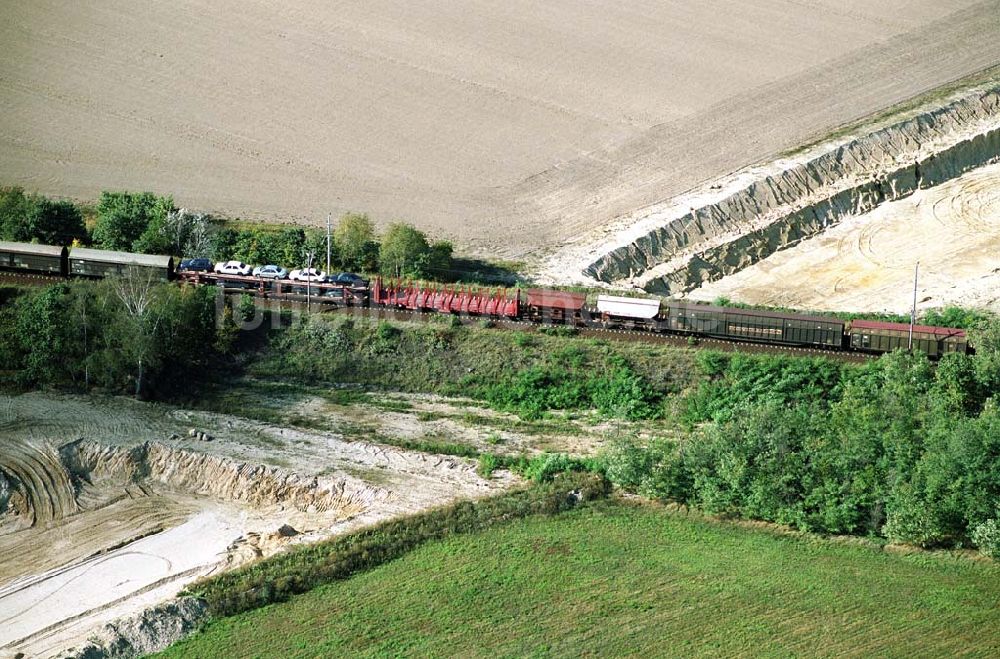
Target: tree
135, 292
53, 223
438, 261
986, 339
188, 234
403, 251
132, 221
43, 335
34, 218
354, 237
14, 207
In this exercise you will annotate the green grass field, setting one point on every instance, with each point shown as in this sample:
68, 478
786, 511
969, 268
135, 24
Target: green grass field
613, 579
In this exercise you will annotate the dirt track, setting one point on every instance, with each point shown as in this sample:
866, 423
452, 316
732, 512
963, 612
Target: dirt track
506, 126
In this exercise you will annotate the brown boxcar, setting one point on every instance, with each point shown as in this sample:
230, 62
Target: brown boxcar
554, 306
875, 336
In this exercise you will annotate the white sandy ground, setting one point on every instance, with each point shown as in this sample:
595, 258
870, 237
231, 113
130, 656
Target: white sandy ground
866, 263
507, 126
72, 600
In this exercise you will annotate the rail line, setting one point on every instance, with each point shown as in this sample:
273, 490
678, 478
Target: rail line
323, 304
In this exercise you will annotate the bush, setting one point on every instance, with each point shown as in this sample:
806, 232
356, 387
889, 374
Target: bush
488, 463
986, 536
735, 379
567, 384
656, 471
546, 466
623, 394
896, 448
558, 330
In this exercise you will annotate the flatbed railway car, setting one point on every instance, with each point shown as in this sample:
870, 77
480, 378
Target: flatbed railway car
878, 337
97, 263
32, 258
753, 325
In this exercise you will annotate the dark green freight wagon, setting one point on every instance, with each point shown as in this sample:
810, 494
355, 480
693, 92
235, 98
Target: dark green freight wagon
85, 262
874, 336
751, 325
28, 257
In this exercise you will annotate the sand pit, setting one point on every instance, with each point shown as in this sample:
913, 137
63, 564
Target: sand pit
93, 530
505, 126
866, 262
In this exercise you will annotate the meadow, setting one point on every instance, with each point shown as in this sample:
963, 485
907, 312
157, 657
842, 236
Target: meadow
615, 578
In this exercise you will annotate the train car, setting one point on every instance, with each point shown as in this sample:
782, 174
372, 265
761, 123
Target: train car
875, 336
28, 257
554, 306
637, 313
448, 299
96, 263
753, 325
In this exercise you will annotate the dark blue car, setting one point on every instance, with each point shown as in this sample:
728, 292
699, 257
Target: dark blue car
349, 279
195, 265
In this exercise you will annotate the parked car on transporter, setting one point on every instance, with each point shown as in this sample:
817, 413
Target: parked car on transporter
195, 265
232, 268
270, 272
349, 279
308, 274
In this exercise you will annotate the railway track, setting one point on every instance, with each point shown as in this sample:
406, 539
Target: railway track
614, 334
323, 304
29, 279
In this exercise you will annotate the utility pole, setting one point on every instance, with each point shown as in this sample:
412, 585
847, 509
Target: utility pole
327, 243
309, 274
913, 311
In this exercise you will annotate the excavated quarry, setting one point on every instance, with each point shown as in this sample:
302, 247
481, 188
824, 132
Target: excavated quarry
728, 225
150, 491
99, 535
158, 465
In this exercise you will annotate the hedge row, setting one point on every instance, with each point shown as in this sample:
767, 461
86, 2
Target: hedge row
278, 578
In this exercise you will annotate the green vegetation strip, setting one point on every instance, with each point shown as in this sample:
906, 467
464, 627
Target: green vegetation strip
300, 570
525, 373
611, 580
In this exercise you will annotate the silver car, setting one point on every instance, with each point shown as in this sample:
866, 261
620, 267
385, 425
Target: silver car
270, 272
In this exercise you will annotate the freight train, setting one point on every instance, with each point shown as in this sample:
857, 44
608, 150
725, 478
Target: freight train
544, 306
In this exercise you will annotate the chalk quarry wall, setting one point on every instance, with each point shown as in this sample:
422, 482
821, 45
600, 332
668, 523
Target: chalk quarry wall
777, 210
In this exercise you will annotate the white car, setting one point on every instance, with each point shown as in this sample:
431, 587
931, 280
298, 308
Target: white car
270, 272
233, 268
308, 274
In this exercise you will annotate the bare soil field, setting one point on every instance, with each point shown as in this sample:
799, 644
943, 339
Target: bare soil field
508, 127
866, 263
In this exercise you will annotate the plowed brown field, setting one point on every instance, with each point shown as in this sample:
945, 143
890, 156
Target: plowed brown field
504, 125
